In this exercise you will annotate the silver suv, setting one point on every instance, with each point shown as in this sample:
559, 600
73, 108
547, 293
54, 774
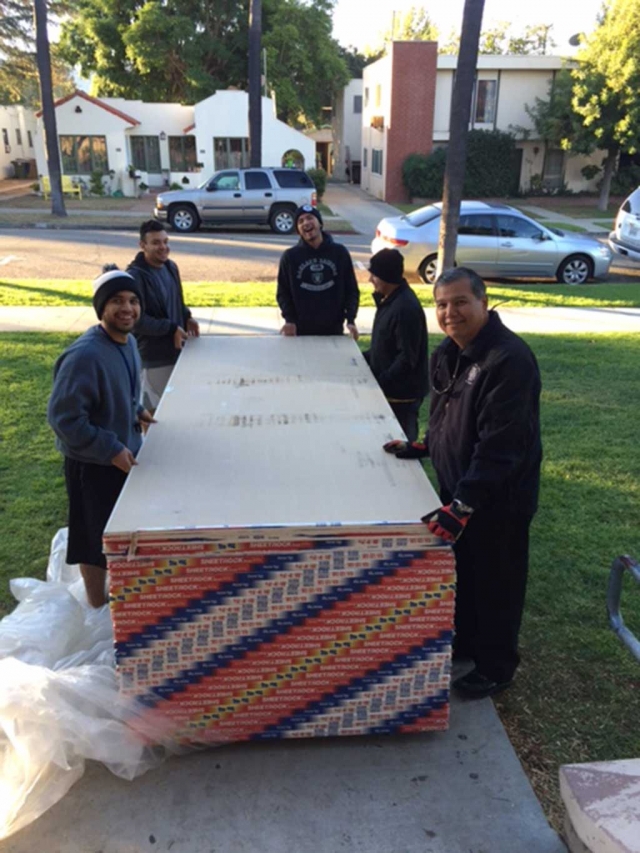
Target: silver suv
260, 196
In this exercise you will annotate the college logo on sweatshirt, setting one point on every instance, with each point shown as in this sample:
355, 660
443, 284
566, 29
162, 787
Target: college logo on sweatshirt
317, 274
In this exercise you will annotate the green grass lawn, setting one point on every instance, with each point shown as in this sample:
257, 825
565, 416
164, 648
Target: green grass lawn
564, 226
577, 692
224, 294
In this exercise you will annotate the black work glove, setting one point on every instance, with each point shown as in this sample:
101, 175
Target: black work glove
406, 449
448, 522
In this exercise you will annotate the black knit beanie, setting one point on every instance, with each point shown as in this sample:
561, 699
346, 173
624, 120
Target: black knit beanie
307, 208
388, 265
110, 283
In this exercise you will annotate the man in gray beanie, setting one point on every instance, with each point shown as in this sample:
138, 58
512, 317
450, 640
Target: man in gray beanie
95, 412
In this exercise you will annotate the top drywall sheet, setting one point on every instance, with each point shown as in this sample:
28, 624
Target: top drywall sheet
258, 431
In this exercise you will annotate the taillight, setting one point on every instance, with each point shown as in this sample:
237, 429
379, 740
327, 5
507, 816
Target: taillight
314, 199
393, 241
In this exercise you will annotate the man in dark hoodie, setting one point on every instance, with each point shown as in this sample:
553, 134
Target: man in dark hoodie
96, 415
166, 322
398, 354
317, 288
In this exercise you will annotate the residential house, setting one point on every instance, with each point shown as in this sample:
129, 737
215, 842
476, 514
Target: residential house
407, 105
347, 132
156, 144
17, 130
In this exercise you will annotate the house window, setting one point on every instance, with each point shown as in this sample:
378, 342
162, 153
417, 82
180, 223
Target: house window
378, 95
231, 152
365, 153
5, 136
376, 161
552, 175
357, 104
29, 139
145, 153
366, 97
182, 153
486, 92
82, 155
18, 136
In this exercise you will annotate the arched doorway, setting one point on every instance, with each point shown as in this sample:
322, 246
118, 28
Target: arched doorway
293, 159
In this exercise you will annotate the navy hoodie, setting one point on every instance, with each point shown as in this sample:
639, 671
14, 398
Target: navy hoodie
317, 288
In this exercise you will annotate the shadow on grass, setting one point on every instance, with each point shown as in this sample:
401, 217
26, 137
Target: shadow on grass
60, 296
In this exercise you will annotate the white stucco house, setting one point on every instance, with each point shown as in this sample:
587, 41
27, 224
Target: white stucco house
164, 144
17, 138
347, 131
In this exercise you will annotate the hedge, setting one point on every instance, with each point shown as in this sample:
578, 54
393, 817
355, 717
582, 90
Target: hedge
490, 160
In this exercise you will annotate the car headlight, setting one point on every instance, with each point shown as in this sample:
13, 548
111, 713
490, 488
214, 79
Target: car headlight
159, 204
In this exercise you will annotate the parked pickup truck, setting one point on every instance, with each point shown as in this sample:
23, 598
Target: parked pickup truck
260, 196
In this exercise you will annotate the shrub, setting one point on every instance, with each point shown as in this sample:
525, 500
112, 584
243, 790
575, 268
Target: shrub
175, 186
625, 180
319, 178
589, 172
96, 187
489, 170
423, 175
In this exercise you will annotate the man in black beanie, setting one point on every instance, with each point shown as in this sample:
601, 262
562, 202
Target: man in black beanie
95, 412
398, 354
317, 288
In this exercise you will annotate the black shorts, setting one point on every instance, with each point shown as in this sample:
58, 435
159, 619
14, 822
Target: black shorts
93, 491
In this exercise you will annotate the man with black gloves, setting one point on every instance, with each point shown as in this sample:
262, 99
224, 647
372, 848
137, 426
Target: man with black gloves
484, 442
95, 412
398, 354
317, 288
166, 321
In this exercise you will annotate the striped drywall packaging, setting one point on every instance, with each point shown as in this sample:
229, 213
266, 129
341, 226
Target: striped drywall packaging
269, 574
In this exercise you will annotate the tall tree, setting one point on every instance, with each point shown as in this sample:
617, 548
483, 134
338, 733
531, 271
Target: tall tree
458, 130
536, 40
48, 109
18, 68
606, 86
255, 89
204, 48
494, 40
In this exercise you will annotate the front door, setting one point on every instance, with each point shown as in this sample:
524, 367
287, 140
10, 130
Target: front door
477, 243
522, 249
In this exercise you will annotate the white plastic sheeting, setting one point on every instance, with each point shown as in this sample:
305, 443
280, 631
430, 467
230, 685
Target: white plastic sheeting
59, 700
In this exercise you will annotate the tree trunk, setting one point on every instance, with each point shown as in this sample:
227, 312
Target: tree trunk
255, 88
43, 59
458, 130
609, 166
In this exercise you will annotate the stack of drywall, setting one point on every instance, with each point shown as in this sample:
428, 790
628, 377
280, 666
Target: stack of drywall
269, 573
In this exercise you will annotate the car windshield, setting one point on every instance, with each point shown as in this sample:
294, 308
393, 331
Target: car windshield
422, 215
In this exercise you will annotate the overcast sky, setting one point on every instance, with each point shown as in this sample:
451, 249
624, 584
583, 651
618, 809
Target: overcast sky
358, 22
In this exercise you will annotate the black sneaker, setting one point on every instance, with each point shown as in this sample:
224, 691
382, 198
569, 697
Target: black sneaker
475, 685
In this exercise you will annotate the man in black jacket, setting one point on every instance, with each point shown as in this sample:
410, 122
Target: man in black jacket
166, 322
398, 354
484, 442
317, 288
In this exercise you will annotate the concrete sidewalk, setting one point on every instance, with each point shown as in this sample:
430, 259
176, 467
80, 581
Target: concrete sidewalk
460, 791
264, 321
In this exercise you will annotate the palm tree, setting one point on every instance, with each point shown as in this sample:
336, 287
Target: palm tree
43, 59
458, 130
255, 93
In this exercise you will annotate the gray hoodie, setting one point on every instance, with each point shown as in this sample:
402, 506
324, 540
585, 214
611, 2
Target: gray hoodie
94, 405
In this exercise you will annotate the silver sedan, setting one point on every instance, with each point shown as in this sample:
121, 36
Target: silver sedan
497, 241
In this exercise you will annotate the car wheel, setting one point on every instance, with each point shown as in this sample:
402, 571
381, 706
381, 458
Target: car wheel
427, 269
184, 218
575, 269
282, 220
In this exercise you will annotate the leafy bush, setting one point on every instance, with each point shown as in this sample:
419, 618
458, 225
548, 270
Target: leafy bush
96, 187
175, 186
423, 176
319, 178
625, 180
589, 172
489, 171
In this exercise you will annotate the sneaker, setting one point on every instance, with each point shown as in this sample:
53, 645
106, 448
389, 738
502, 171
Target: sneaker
475, 685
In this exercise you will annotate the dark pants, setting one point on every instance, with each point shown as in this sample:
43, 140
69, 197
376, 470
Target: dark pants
407, 415
492, 557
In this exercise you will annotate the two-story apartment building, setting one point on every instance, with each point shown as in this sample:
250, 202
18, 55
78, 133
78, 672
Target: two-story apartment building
161, 144
407, 106
17, 133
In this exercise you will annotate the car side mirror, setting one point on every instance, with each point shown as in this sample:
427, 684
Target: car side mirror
541, 237
211, 188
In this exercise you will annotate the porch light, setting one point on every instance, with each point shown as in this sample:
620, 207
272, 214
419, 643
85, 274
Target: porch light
163, 136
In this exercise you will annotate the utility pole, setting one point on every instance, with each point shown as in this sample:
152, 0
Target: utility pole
458, 131
43, 60
255, 89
